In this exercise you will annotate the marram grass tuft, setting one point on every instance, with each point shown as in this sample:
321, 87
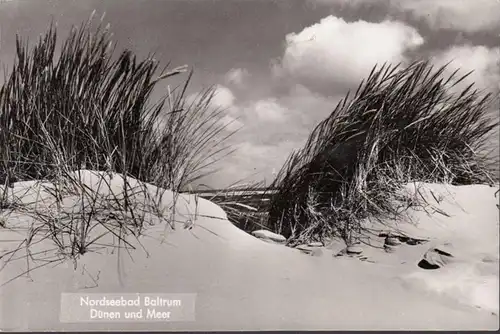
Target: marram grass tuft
401, 125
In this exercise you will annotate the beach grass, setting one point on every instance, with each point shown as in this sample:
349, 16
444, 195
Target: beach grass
403, 124
87, 107
79, 105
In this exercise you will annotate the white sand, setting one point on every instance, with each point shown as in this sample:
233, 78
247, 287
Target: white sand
243, 283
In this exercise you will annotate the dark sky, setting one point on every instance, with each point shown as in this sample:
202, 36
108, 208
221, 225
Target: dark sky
211, 36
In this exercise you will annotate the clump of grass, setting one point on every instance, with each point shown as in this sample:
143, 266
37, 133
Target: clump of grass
401, 125
89, 108
86, 108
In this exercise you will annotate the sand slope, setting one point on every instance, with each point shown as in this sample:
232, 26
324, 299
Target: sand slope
241, 282
463, 220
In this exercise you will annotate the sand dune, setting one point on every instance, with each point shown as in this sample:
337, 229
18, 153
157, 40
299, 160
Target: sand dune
243, 283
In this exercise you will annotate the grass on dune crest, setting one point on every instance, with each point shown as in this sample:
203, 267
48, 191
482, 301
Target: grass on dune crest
86, 108
401, 125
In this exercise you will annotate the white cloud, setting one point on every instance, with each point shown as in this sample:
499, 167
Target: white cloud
236, 76
336, 51
288, 117
462, 15
223, 97
231, 123
485, 62
273, 128
269, 111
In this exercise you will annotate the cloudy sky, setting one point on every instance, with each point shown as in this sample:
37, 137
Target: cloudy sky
279, 66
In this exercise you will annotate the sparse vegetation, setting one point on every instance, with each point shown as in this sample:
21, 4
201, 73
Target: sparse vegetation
401, 125
79, 212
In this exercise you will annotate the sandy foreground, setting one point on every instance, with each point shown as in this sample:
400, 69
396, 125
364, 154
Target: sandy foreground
243, 283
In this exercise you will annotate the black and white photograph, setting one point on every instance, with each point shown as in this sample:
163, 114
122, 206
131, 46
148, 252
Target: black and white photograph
249, 165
